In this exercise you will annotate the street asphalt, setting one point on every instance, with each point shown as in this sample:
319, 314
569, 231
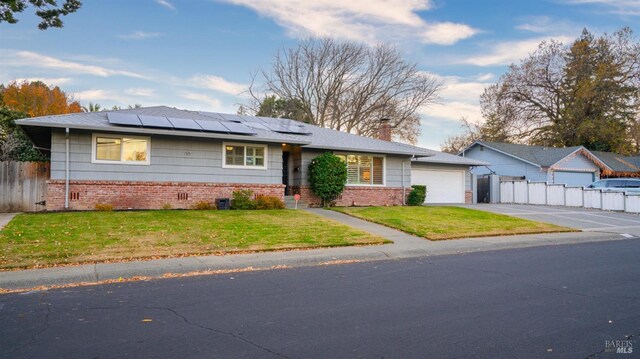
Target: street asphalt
562, 301
404, 246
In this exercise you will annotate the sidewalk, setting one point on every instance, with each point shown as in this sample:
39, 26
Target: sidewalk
6, 218
404, 246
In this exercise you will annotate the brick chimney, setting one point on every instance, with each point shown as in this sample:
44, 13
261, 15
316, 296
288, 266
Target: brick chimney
384, 132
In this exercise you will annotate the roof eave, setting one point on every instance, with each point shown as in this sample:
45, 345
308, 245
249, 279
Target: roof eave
391, 152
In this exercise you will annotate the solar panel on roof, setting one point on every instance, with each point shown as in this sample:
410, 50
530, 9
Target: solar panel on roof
155, 121
238, 128
212, 126
232, 118
257, 125
184, 124
289, 128
213, 115
125, 119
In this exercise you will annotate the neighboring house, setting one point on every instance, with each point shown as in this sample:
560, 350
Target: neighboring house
573, 166
618, 165
446, 176
160, 156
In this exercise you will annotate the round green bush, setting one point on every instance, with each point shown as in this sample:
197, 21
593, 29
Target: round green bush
327, 177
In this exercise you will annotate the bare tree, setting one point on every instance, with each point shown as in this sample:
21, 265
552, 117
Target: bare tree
455, 144
350, 86
586, 93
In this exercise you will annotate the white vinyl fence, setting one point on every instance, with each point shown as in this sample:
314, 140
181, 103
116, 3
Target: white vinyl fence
525, 192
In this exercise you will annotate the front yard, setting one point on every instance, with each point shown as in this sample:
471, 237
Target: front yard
40, 240
438, 223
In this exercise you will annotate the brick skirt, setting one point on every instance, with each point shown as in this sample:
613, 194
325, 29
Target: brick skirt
358, 196
85, 195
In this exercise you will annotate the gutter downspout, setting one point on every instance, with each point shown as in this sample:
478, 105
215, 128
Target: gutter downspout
404, 190
404, 187
66, 169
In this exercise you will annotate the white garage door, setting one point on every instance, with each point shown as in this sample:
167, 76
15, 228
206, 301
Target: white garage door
443, 186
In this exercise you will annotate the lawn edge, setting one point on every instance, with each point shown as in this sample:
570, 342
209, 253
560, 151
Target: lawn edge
188, 255
563, 230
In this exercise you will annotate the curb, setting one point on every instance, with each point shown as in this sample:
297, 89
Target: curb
97, 273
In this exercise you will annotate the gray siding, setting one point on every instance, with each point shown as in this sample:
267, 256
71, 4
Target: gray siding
393, 169
577, 162
176, 159
577, 170
504, 165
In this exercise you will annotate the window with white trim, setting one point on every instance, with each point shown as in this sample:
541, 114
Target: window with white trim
120, 149
249, 156
364, 169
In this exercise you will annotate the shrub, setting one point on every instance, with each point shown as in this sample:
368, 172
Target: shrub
166, 206
242, 199
417, 195
269, 202
327, 177
104, 207
204, 206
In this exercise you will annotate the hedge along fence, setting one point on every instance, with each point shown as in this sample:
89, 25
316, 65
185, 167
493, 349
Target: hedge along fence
542, 193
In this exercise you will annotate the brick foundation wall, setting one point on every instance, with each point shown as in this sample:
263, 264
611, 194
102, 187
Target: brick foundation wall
85, 195
468, 197
357, 196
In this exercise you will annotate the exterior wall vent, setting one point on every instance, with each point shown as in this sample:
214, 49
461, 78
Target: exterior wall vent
183, 196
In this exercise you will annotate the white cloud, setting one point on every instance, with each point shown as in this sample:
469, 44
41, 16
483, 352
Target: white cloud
447, 33
508, 52
166, 4
485, 77
116, 96
548, 26
217, 83
16, 58
141, 92
210, 102
364, 20
460, 98
51, 81
96, 95
139, 35
622, 7
453, 111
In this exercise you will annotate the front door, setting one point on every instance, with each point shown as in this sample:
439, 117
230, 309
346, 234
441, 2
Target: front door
285, 173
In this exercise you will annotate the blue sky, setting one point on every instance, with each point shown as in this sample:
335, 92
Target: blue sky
199, 54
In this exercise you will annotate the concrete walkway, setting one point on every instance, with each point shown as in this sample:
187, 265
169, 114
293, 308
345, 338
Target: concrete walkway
6, 218
404, 246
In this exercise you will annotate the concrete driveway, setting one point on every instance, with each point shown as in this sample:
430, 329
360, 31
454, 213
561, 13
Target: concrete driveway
580, 218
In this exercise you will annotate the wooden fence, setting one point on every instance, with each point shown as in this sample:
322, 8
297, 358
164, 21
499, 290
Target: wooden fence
525, 192
23, 185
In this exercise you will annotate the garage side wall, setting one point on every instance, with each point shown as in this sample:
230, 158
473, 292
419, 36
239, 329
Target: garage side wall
575, 170
504, 165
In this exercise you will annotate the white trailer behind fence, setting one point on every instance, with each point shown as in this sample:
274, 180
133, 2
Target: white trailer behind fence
525, 192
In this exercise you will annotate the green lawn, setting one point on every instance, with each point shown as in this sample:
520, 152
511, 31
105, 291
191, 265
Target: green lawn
437, 223
37, 240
